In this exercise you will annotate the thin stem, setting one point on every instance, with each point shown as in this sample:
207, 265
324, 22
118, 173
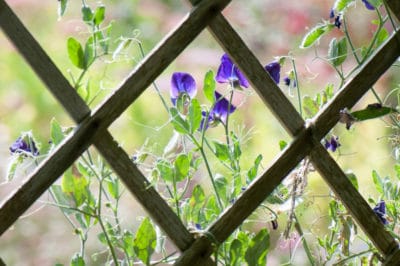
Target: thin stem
303, 240
297, 86
103, 228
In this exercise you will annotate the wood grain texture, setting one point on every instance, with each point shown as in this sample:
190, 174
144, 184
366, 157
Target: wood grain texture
394, 5
393, 260
48, 172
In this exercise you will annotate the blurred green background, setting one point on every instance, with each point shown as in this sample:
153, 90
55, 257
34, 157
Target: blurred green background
270, 28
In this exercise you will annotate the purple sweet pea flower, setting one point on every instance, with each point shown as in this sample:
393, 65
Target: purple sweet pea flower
332, 144
229, 73
380, 211
274, 70
20, 145
338, 23
332, 13
219, 113
289, 81
368, 5
182, 83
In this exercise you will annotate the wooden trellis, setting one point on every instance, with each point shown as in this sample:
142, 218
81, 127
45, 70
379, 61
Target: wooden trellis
93, 126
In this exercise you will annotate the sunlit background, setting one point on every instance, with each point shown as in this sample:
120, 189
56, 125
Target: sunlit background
271, 28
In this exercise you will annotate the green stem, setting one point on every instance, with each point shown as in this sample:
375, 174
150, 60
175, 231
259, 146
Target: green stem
297, 86
303, 240
103, 228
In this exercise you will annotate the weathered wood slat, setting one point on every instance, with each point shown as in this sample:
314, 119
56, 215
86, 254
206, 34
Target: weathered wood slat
28, 193
41, 63
266, 88
222, 31
355, 204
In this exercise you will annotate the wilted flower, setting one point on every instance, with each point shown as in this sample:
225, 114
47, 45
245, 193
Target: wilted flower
368, 5
332, 144
380, 211
274, 70
24, 144
182, 84
230, 73
345, 117
219, 113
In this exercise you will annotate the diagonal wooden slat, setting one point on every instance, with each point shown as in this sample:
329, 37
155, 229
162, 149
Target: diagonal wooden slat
352, 199
117, 158
306, 138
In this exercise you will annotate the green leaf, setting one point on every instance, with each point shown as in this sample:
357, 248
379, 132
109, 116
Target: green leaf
145, 241
237, 152
256, 253
99, 15
113, 187
77, 260
377, 181
314, 34
372, 111
282, 144
182, 166
279, 195
353, 179
382, 37
61, 198
252, 173
89, 53
87, 14
194, 115
221, 151
196, 203
13, 166
337, 52
209, 86
397, 169
75, 53
235, 252
128, 242
56, 132
62, 6
211, 209
75, 185
180, 125
310, 107
221, 185
166, 170
341, 5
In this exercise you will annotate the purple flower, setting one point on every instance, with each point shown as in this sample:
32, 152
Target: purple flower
338, 23
288, 81
332, 13
22, 146
182, 84
380, 211
368, 5
274, 70
219, 113
229, 73
332, 144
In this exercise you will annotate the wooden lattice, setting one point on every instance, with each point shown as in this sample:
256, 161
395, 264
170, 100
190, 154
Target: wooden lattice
93, 124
